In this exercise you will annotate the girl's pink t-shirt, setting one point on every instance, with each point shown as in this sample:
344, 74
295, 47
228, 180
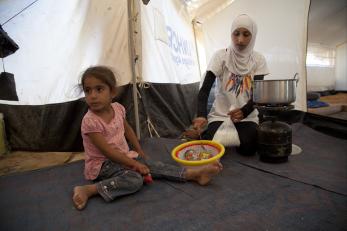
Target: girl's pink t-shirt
113, 132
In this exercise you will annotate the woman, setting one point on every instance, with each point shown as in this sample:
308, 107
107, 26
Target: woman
234, 69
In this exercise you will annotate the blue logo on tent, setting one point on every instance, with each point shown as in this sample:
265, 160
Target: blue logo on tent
181, 47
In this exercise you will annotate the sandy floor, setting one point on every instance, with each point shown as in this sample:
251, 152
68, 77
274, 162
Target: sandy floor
340, 98
337, 106
23, 161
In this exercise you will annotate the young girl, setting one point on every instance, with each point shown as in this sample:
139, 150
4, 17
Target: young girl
234, 68
115, 169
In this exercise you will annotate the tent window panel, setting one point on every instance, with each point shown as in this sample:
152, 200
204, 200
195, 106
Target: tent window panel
320, 56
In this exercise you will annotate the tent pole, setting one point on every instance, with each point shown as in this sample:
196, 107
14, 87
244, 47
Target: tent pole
196, 46
132, 63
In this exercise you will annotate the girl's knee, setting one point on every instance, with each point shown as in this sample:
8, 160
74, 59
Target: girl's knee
134, 181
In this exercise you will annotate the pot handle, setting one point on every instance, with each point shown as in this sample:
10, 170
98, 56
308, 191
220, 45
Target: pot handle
297, 79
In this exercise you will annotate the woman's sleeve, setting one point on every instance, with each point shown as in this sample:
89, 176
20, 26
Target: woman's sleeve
248, 107
204, 93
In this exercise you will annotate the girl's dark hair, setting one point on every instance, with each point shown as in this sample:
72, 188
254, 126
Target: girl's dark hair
103, 73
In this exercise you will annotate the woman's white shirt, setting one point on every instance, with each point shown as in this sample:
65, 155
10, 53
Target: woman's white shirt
233, 90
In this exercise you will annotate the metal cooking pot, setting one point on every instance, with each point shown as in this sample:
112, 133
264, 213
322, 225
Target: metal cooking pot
275, 92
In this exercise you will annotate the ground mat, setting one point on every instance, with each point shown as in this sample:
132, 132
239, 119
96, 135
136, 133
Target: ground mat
242, 197
322, 163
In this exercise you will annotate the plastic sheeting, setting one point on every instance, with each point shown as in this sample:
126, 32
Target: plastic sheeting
58, 40
168, 45
281, 38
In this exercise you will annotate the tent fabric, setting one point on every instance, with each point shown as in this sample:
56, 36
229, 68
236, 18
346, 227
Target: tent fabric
170, 107
165, 110
168, 44
240, 198
98, 34
58, 40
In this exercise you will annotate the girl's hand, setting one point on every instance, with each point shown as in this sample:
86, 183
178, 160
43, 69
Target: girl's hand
236, 115
199, 123
140, 168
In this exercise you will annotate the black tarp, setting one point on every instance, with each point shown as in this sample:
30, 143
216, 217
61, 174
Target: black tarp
52, 127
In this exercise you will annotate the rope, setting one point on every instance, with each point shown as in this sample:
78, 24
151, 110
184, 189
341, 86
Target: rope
19, 12
151, 128
143, 84
3, 64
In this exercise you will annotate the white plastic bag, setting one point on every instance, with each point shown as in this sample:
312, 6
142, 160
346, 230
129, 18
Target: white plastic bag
227, 134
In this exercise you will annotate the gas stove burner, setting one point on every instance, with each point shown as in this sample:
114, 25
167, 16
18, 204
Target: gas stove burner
273, 104
271, 107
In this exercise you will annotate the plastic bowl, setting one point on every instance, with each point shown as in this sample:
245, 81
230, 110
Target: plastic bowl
210, 151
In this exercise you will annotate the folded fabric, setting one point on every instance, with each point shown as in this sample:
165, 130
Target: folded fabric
316, 104
7, 45
8, 87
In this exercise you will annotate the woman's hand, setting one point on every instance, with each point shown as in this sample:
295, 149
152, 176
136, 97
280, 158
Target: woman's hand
140, 168
236, 115
195, 133
199, 123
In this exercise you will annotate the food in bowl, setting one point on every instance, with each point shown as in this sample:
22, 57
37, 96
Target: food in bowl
198, 152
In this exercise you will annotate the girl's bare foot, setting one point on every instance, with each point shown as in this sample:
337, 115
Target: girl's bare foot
203, 175
81, 195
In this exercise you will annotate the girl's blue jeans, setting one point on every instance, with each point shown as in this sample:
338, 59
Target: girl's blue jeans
115, 180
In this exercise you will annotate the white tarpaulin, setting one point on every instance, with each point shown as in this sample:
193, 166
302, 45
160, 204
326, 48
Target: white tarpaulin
168, 45
281, 38
58, 40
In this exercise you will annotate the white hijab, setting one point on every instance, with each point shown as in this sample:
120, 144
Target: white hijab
242, 62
